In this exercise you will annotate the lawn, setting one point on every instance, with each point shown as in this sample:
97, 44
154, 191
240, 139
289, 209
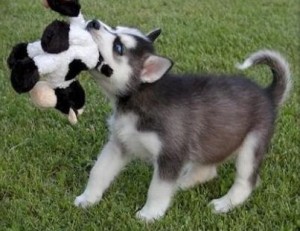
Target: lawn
45, 161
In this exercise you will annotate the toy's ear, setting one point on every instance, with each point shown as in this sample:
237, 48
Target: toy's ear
69, 8
55, 38
154, 68
153, 35
18, 53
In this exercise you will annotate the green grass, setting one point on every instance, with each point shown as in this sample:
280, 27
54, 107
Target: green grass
44, 161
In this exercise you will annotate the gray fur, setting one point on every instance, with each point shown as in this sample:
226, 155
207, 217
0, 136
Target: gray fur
200, 118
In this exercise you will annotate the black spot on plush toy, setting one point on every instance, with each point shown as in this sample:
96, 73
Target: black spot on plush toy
48, 68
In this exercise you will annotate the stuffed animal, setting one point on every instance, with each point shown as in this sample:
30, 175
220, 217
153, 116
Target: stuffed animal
48, 68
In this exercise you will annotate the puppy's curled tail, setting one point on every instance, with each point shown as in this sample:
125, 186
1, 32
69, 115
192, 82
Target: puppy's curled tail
282, 83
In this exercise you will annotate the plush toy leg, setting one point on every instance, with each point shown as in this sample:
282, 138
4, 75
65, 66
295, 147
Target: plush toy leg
65, 7
78, 98
72, 117
71, 100
80, 111
42, 95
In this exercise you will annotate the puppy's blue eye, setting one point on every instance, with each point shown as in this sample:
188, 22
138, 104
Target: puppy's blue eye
118, 47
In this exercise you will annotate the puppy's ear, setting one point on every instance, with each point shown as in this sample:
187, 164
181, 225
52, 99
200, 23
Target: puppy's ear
154, 68
55, 38
153, 35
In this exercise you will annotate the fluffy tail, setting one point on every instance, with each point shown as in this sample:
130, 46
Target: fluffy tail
281, 84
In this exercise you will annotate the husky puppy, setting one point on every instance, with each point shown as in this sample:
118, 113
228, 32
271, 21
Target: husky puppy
186, 125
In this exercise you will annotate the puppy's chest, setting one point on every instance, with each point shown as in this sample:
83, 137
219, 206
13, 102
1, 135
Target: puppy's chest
143, 144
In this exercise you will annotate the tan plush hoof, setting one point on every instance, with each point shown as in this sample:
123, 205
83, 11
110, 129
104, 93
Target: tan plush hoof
42, 95
72, 117
80, 111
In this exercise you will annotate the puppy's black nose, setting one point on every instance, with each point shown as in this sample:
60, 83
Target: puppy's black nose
94, 24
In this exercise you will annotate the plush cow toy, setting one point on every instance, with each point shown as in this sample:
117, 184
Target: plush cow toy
47, 68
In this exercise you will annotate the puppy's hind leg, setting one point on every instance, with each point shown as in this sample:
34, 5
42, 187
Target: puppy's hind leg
248, 162
109, 164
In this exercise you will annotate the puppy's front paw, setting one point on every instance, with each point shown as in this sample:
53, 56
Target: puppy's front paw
221, 205
85, 201
149, 216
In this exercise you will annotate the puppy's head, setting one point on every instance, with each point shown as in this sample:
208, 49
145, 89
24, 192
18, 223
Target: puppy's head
128, 57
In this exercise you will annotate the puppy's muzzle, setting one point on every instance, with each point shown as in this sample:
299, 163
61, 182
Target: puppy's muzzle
94, 24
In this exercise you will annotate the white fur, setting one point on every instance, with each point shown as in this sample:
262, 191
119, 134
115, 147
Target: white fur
128, 41
158, 200
139, 143
129, 31
241, 189
194, 173
121, 75
246, 64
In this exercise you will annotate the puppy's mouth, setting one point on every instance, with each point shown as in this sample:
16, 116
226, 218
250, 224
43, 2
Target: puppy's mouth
94, 27
100, 61
103, 67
